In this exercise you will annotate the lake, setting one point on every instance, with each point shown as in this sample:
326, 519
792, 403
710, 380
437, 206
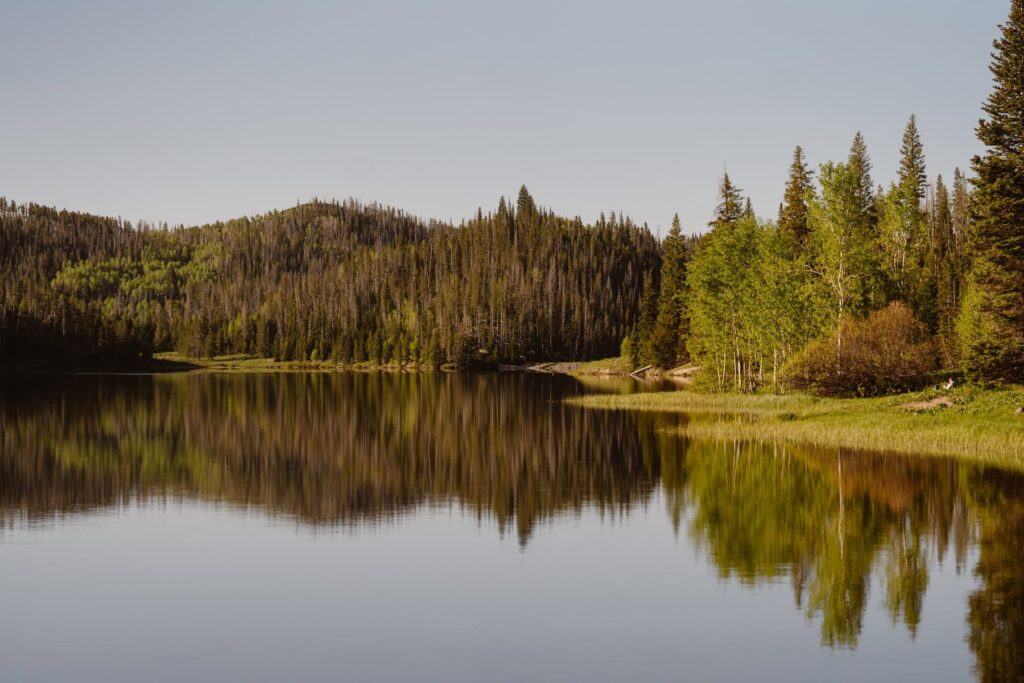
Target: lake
471, 527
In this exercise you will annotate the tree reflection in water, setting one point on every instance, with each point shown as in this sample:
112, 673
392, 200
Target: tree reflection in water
330, 449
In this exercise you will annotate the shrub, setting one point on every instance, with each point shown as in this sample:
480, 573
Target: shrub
888, 352
626, 349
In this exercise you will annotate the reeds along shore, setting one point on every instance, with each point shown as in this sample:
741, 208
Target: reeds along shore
980, 425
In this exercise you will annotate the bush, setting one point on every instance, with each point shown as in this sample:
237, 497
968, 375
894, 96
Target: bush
626, 349
888, 352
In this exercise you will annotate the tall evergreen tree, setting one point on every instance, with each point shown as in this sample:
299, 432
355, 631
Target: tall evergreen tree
526, 210
668, 344
915, 281
867, 206
991, 325
793, 210
731, 206
642, 334
913, 177
859, 162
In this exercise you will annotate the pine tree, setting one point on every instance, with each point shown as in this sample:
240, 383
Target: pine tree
860, 164
643, 331
868, 204
526, 210
793, 211
913, 281
991, 324
731, 206
669, 339
913, 178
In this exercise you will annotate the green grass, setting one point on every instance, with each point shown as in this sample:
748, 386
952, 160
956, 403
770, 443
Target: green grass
981, 426
605, 366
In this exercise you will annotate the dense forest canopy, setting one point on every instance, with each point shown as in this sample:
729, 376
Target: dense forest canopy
323, 280
757, 304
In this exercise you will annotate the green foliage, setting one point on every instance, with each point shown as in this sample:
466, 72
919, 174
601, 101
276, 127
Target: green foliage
859, 162
626, 348
748, 304
842, 257
731, 206
793, 211
912, 169
642, 333
904, 242
992, 318
669, 334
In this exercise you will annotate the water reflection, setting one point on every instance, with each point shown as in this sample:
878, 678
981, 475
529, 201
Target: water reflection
828, 521
326, 449
345, 449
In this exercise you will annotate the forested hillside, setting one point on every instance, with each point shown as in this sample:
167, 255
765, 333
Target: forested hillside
324, 280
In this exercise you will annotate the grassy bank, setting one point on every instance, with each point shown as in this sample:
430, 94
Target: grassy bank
611, 367
979, 426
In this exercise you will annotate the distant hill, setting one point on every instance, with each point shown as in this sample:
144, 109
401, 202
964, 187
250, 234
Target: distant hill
323, 280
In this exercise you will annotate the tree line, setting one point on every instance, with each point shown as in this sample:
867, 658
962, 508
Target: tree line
757, 303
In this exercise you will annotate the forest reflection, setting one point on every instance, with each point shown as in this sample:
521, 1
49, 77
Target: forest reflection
337, 450
326, 449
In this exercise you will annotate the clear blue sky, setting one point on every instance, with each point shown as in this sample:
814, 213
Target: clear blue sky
197, 111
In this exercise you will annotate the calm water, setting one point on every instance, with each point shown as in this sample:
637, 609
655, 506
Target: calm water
471, 527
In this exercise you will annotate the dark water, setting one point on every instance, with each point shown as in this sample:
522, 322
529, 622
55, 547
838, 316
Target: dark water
472, 527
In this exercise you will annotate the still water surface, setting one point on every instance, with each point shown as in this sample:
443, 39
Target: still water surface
472, 527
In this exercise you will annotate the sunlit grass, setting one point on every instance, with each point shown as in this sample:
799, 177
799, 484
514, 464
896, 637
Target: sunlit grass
980, 426
605, 366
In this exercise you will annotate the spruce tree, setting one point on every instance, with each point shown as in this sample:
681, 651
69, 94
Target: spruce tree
526, 210
860, 164
914, 281
868, 204
913, 178
668, 343
991, 324
731, 206
643, 331
793, 211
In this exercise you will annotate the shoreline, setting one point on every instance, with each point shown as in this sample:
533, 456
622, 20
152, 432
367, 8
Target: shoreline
974, 424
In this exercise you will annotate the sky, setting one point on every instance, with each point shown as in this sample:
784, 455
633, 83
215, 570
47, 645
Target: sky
191, 112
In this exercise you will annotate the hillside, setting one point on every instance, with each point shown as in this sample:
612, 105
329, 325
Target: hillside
344, 281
